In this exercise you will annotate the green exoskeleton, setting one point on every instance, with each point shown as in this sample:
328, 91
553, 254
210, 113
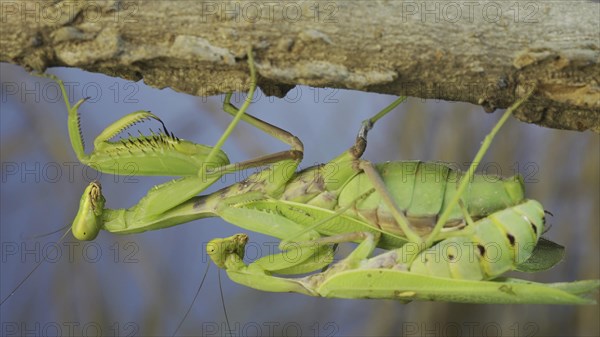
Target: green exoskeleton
395, 203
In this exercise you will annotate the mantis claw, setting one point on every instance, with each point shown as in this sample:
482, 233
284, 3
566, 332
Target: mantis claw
78, 104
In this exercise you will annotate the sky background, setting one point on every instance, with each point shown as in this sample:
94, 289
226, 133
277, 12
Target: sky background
142, 284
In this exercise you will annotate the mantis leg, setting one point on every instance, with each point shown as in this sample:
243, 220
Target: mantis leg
263, 126
74, 127
367, 124
471, 171
292, 140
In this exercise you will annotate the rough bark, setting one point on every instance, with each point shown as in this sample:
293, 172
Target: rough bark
486, 53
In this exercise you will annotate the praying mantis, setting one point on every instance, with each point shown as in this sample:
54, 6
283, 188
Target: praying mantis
410, 274
388, 205
329, 304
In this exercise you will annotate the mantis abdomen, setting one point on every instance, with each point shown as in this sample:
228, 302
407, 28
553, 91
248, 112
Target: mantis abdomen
420, 190
493, 246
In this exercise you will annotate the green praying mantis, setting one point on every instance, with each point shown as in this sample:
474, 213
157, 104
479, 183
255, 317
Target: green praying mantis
453, 266
406, 208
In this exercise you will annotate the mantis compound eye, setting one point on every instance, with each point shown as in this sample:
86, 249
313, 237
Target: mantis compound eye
214, 251
88, 221
220, 250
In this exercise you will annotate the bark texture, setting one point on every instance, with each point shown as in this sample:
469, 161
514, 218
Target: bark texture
486, 53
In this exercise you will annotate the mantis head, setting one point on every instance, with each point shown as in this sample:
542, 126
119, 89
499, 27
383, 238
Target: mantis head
222, 250
88, 221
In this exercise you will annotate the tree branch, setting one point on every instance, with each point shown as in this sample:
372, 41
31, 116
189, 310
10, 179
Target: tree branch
486, 53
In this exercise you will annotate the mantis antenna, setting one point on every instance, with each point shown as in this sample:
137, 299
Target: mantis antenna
193, 300
33, 270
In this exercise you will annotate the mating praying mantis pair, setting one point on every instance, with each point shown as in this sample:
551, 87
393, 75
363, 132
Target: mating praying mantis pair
436, 224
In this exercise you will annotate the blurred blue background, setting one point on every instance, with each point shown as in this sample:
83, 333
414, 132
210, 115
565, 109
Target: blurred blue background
142, 284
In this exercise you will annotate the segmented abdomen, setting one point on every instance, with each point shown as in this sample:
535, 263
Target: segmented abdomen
495, 245
423, 190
